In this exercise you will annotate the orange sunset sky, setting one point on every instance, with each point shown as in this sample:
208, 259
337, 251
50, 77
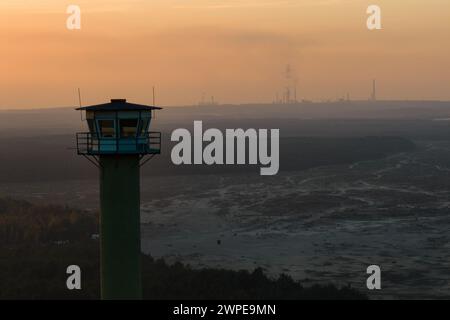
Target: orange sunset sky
235, 50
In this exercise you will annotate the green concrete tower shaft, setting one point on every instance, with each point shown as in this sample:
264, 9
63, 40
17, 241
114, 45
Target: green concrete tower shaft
120, 227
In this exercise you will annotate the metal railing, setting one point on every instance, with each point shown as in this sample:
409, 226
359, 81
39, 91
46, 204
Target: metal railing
92, 144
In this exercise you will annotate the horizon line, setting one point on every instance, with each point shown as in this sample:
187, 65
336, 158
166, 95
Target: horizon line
252, 104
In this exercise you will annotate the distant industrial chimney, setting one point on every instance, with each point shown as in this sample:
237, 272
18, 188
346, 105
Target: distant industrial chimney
374, 91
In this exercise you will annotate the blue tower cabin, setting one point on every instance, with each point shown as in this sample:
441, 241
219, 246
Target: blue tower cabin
118, 127
117, 141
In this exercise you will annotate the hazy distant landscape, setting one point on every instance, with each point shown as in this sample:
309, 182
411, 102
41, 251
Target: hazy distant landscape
353, 96
360, 183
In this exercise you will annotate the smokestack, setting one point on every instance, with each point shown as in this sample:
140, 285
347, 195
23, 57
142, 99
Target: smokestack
374, 90
295, 92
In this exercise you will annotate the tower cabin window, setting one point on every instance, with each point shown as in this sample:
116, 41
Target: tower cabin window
106, 128
128, 128
91, 125
143, 126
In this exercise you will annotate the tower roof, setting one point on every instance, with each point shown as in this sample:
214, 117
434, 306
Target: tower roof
119, 105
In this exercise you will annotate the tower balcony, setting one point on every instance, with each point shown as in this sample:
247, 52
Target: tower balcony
92, 145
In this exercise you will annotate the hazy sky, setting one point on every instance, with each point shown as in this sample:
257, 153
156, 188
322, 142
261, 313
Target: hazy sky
236, 50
